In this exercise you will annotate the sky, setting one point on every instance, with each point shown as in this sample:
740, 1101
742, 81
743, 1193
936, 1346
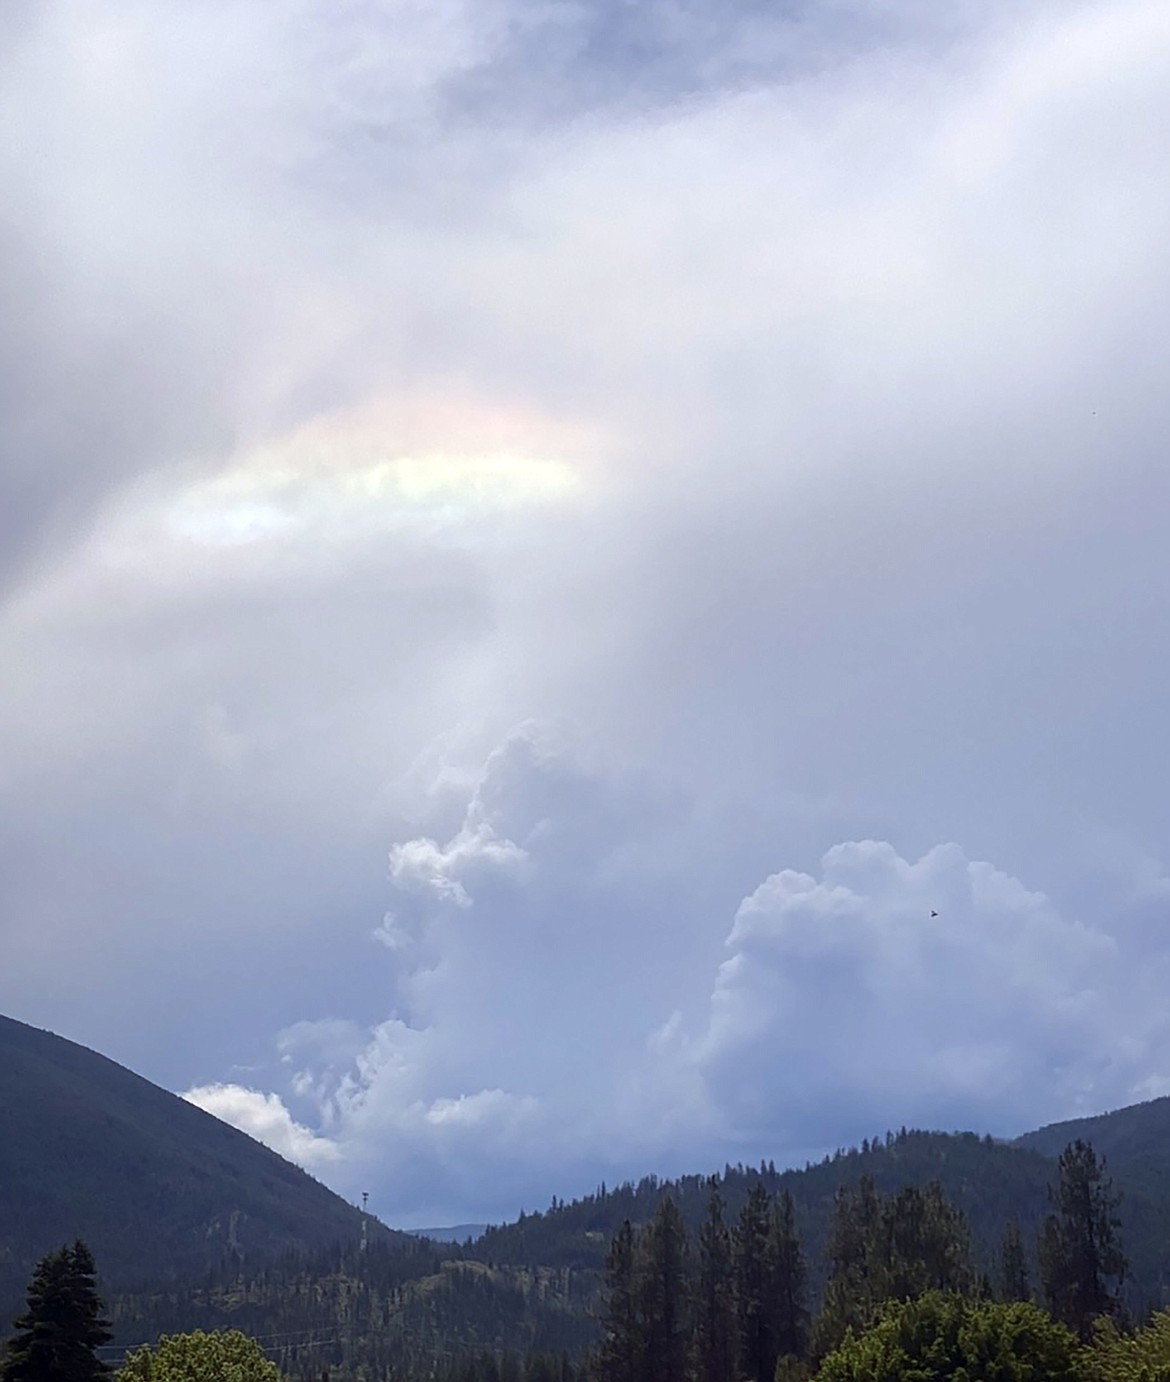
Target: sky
583, 584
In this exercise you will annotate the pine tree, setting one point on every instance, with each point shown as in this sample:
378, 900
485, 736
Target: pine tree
925, 1244
753, 1280
619, 1355
789, 1284
58, 1335
1081, 1261
662, 1295
713, 1351
855, 1283
1014, 1283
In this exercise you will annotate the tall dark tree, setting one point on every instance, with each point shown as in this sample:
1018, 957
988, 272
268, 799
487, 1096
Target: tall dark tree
1014, 1283
855, 1286
925, 1244
662, 1273
619, 1355
789, 1283
63, 1326
753, 1287
713, 1348
1081, 1261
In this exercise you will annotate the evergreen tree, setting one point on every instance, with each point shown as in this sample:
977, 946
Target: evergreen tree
1014, 1283
663, 1296
1081, 1261
58, 1335
789, 1284
854, 1286
925, 1244
713, 1350
753, 1283
619, 1355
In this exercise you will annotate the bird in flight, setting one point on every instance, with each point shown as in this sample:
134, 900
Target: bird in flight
934, 914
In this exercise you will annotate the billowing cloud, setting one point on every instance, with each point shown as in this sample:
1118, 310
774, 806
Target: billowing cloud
771, 400
940, 992
264, 1117
943, 985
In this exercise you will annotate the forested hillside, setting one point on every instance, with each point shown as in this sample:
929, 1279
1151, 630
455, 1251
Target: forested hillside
990, 1182
1135, 1141
195, 1225
160, 1190
537, 1286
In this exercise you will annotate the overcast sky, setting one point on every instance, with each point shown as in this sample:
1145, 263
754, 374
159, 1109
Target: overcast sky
540, 540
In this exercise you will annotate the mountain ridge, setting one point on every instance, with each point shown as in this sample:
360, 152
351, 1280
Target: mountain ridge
195, 1224
157, 1187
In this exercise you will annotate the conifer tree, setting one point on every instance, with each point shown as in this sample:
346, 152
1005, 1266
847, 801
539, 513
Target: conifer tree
854, 1287
1081, 1261
619, 1356
753, 1280
788, 1288
925, 1245
1014, 1283
663, 1296
713, 1350
63, 1326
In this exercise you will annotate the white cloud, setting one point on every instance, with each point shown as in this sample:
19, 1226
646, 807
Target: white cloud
426, 866
264, 1117
845, 1002
843, 1007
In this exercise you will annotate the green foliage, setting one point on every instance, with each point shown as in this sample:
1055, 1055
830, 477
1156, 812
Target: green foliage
663, 1295
1141, 1357
1014, 1282
59, 1333
645, 1324
1081, 1262
889, 1248
753, 1287
620, 1352
789, 1284
769, 1285
941, 1337
713, 1349
197, 1357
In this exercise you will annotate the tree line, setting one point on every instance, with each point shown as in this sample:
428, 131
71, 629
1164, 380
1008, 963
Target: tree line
732, 1302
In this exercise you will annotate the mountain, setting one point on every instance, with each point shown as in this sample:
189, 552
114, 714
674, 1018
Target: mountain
1135, 1142
534, 1285
195, 1225
160, 1190
991, 1181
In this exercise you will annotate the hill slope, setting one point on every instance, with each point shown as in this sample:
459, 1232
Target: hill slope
991, 1182
1135, 1142
158, 1188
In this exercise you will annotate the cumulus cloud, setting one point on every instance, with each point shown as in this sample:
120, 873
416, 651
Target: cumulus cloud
429, 867
264, 1117
942, 985
880, 990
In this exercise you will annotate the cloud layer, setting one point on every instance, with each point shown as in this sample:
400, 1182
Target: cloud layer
494, 497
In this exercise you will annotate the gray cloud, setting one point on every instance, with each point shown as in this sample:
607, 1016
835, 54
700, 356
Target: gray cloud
775, 399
